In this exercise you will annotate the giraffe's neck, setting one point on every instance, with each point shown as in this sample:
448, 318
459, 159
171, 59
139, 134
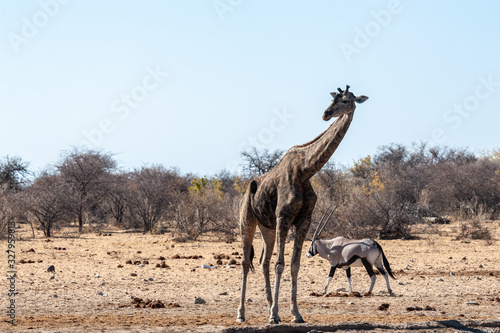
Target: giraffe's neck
319, 151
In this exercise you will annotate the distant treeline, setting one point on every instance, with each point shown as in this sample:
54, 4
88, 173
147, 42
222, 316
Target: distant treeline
380, 196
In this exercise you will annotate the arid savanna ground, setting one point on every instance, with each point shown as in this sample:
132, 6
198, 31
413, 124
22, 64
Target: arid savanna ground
443, 284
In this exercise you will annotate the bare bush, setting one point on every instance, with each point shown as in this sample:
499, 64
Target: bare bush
334, 188
87, 173
152, 191
465, 190
384, 195
353, 219
117, 198
474, 230
380, 196
13, 180
260, 162
46, 202
13, 174
5, 214
381, 214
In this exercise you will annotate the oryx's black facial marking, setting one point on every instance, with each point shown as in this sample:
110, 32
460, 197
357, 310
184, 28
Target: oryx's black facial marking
312, 250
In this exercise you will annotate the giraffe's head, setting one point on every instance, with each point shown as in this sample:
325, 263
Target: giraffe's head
343, 102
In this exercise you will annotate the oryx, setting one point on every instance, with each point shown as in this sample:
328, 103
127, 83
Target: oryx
345, 253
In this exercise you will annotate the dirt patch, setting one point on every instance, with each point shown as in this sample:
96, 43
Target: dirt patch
97, 282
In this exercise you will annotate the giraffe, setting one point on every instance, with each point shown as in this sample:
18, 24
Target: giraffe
284, 197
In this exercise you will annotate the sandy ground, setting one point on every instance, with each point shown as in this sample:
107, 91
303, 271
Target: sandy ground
93, 286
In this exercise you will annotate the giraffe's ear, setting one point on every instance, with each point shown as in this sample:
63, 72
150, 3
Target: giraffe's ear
361, 99
333, 94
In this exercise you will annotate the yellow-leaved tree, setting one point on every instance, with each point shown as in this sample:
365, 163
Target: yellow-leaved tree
204, 210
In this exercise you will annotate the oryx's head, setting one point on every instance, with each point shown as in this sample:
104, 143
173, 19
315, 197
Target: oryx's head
343, 102
319, 229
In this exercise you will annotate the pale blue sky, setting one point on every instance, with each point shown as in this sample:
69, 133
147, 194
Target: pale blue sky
192, 83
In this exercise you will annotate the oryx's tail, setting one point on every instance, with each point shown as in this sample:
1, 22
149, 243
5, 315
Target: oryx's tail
385, 261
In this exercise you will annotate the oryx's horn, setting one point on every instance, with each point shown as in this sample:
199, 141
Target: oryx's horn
322, 222
319, 225
327, 219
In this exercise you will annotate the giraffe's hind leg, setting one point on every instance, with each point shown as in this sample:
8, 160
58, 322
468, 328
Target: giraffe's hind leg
248, 223
269, 236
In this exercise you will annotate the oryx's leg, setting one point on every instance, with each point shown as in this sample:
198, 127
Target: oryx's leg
348, 269
269, 236
384, 274
300, 235
330, 276
348, 274
283, 225
248, 224
369, 270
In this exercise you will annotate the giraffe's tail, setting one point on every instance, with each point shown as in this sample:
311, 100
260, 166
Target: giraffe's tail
252, 255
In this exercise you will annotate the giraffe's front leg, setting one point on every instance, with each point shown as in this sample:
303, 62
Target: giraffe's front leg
268, 236
300, 235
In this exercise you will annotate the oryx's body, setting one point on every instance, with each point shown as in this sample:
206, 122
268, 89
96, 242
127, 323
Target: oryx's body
345, 253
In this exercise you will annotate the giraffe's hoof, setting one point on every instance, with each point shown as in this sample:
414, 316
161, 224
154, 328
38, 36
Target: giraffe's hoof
274, 320
298, 320
240, 320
